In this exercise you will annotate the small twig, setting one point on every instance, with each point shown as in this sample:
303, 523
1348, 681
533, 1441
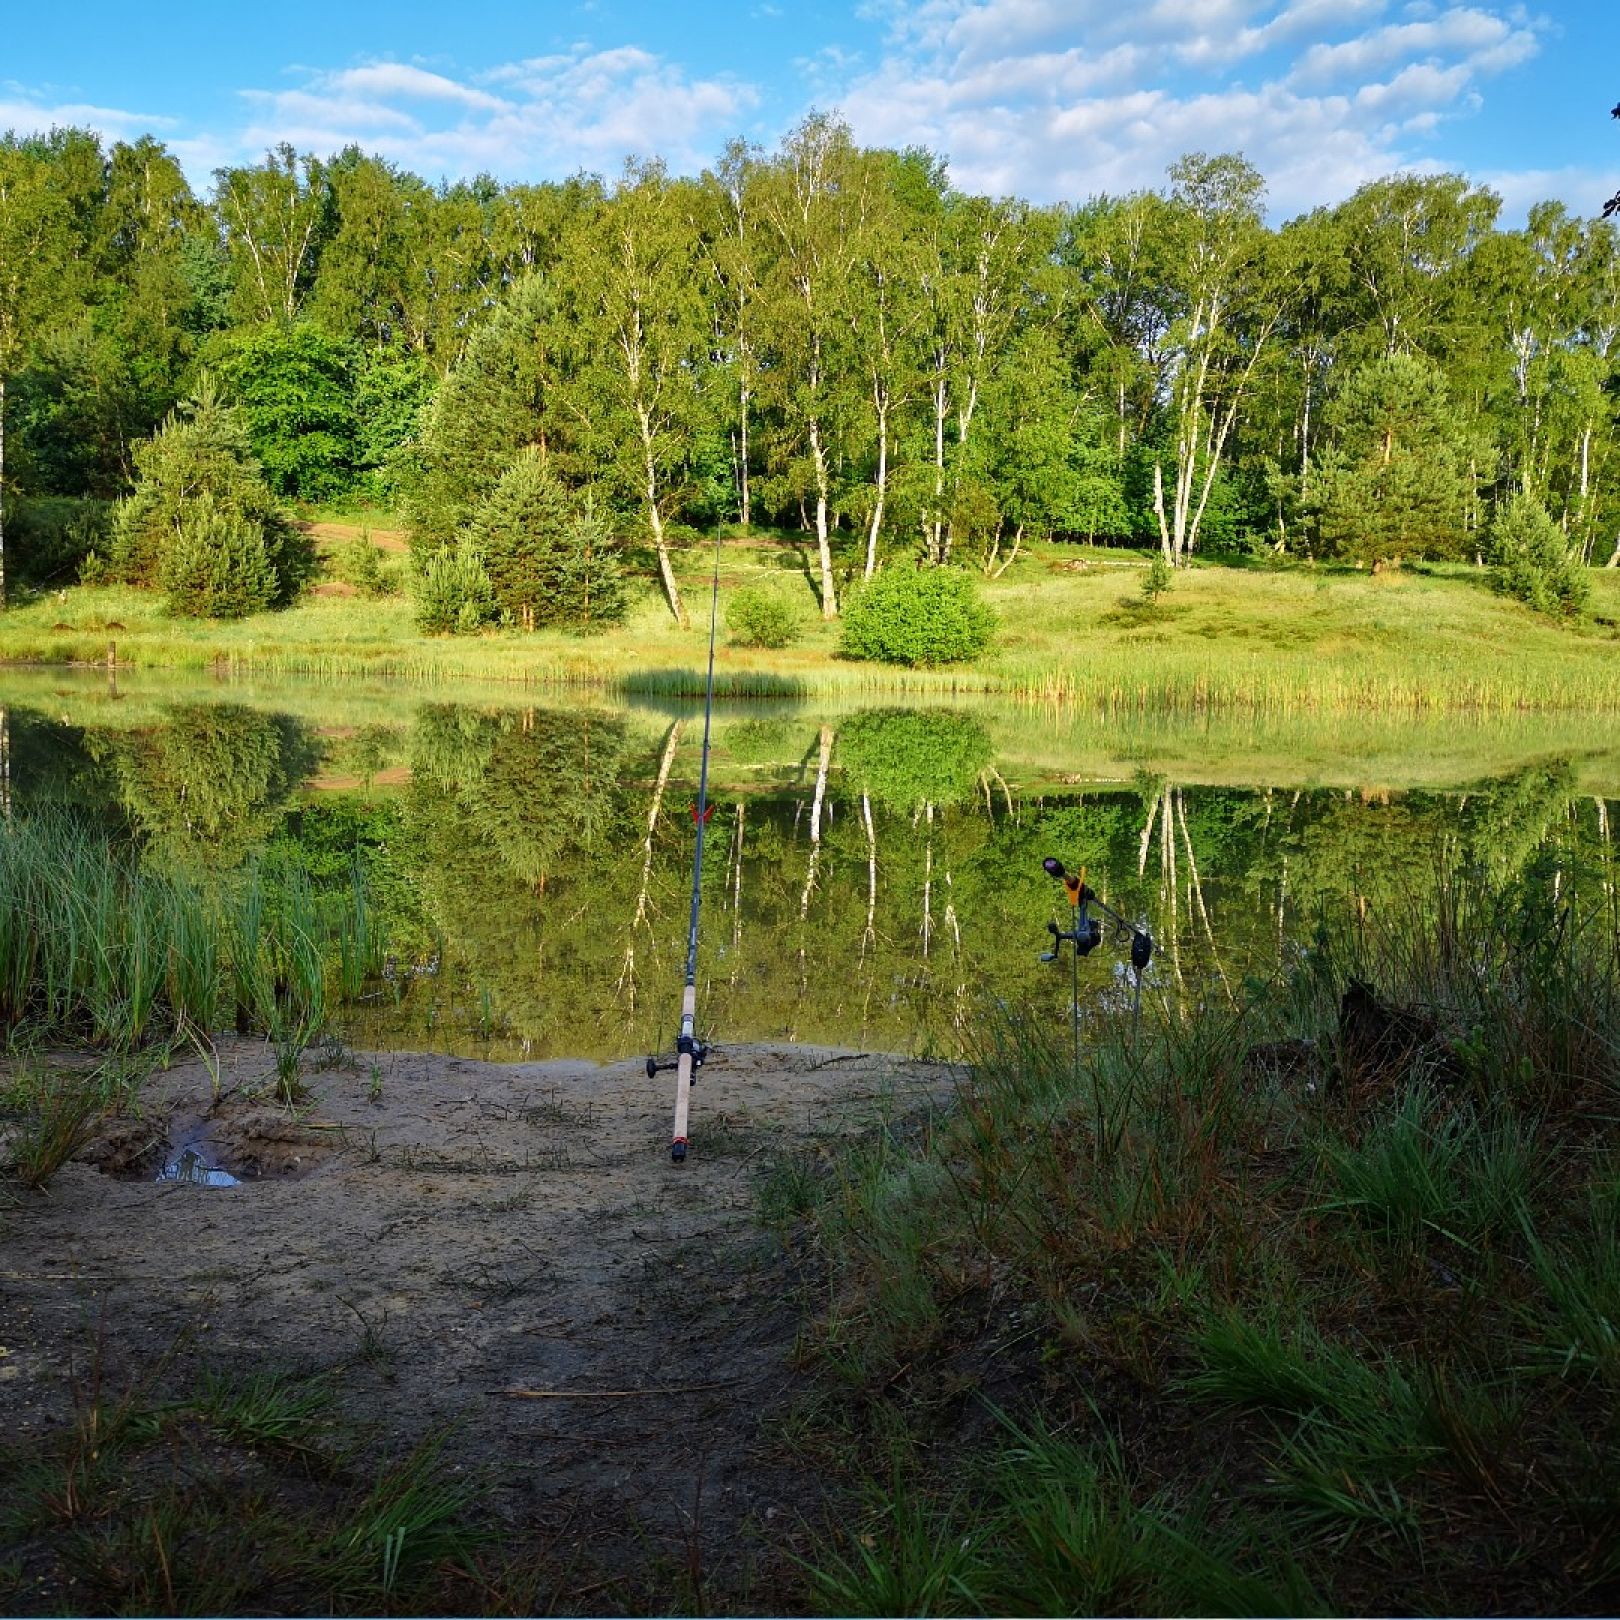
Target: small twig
607, 1394
56, 1276
674, 1237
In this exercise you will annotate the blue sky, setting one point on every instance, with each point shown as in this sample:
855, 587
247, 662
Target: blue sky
1049, 99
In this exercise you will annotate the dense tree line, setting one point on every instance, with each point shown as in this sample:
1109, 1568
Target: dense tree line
824, 337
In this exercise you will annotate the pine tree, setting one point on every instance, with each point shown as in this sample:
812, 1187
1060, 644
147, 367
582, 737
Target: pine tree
202, 451
216, 565
547, 562
1393, 485
1535, 561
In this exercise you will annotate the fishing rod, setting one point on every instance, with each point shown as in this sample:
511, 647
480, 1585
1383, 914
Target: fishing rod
1085, 934
689, 1050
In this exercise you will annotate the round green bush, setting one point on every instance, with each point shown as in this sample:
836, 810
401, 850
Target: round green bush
917, 616
761, 616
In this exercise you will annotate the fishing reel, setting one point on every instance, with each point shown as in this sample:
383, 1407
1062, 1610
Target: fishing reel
684, 1044
1085, 932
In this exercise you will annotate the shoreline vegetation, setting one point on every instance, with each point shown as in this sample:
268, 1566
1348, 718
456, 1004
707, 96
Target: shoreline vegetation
1294, 1300
1074, 630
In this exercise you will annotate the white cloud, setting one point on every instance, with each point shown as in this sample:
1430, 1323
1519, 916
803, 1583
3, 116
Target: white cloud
541, 116
1058, 99
401, 79
1482, 40
1583, 190
27, 112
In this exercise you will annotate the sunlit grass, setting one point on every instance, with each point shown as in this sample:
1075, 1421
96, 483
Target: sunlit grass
1296, 640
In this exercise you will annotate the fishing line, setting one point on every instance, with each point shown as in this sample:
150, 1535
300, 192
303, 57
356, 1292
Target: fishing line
689, 1050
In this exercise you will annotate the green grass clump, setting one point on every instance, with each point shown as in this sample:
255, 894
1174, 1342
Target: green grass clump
1257, 1338
240, 1496
99, 949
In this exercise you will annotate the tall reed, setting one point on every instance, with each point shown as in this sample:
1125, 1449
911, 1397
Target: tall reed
95, 948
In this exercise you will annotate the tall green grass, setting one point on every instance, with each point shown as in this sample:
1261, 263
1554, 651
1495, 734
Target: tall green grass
96, 948
1335, 1333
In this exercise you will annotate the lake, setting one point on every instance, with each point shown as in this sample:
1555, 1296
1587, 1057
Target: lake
872, 875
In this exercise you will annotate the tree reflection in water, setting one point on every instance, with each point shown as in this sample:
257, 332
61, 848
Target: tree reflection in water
881, 880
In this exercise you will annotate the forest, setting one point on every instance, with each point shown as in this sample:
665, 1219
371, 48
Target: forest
825, 339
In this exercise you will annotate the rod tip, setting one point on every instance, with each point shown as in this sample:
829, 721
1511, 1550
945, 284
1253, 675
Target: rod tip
677, 1150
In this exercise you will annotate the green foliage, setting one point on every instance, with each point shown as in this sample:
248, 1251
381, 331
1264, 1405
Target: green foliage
915, 616
548, 560
95, 947
392, 394
295, 389
202, 451
360, 563
1393, 484
207, 786
905, 757
762, 616
49, 537
453, 593
487, 409
1158, 579
216, 566
1534, 560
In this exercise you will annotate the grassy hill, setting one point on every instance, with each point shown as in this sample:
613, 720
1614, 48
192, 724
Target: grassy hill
1074, 628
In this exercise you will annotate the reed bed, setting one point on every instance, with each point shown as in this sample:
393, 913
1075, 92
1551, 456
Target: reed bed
97, 949
1306, 1305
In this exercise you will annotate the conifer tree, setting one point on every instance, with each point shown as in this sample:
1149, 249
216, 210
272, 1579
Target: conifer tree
202, 451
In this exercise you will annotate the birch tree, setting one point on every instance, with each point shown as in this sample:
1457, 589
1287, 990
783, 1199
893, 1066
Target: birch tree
275, 219
1213, 246
634, 340
806, 208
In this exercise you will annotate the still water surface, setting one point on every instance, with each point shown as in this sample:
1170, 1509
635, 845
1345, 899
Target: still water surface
873, 873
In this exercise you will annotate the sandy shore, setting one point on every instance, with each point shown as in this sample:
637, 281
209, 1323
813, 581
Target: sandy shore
441, 1233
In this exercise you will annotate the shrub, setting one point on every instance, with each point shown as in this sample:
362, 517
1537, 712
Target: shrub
548, 561
360, 564
217, 567
1157, 580
453, 595
1534, 560
202, 450
917, 616
762, 616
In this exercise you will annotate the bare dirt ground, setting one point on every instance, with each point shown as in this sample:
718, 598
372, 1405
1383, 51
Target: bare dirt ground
332, 534
506, 1249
